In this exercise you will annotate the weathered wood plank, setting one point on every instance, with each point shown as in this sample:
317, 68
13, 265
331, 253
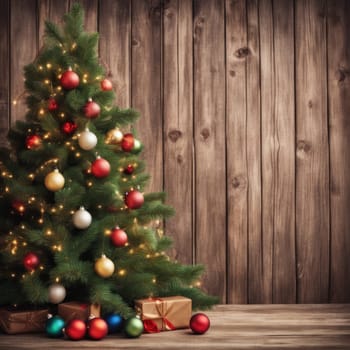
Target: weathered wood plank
4, 70
268, 147
232, 327
312, 167
178, 124
284, 270
115, 46
339, 107
24, 46
236, 147
146, 84
209, 134
256, 292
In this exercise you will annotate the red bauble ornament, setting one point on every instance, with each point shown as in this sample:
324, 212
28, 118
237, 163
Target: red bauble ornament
69, 79
119, 237
106, 85
97, 328
134, 199
31, 261
18, 206
129, 169
52, 105
69, 127
91, 109
199, 323
128, 142
75, 329
100, 168
33, 141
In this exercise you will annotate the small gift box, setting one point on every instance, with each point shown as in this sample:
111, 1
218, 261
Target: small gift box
14, 320
75, 310
161, 314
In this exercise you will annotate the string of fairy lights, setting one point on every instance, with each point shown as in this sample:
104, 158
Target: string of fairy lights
113, 137
54, 181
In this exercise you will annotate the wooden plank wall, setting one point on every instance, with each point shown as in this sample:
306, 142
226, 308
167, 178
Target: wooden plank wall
246, 125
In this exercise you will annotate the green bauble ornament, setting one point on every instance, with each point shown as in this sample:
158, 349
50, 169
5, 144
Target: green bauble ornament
54, 327
133, 327
137, 146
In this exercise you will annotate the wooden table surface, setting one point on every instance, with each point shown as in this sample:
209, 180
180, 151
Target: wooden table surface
325, 326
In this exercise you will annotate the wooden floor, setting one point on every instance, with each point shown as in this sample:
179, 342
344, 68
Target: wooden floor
232, 327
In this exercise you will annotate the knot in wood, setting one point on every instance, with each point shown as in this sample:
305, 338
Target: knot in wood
342, 73
169, 14
174, 135
205, 133
239, 182
303, 146
179, 158
232, 73
310, 104
242, 52
201, 20
134, 42
303, 149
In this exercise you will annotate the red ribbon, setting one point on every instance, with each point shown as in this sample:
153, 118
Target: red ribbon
150, 326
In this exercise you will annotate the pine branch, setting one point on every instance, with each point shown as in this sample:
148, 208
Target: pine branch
53, 33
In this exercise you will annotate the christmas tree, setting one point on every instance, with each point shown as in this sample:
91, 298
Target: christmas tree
76, 223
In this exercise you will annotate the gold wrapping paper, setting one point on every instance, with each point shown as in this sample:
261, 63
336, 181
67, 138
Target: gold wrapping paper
166, 313
21, 321
75, 310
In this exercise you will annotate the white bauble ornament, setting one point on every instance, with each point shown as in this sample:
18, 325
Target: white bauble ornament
87, 140
57, 293
82, 218
104, 267
54, 181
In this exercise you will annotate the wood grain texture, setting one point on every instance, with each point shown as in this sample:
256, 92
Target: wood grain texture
21, 52
178, 124
339, 107
268, 146
209, 136
278, 151
256, 292
4, 72
312, 171
232, 327
115, 46
284, 270
236, 148
146, 84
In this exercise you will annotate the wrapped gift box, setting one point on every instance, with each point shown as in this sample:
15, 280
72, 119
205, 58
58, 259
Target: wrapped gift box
76, 310
160, 314
14, 320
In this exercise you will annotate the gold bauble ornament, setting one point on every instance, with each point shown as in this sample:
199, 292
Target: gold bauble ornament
54, 181
104, 267
114, 137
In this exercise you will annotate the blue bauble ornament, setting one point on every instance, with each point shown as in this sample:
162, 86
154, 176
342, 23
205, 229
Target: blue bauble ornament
54, 327
114, 322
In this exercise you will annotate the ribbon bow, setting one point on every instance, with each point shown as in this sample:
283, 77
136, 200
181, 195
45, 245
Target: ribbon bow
162, 310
